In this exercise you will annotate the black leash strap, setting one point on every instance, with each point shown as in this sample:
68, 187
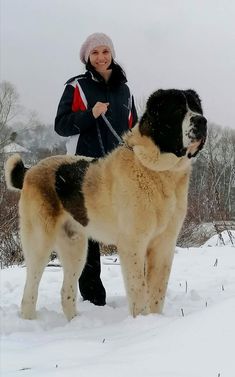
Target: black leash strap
113, 132
100, 139
111, 129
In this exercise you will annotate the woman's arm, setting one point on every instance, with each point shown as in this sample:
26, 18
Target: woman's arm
69, 122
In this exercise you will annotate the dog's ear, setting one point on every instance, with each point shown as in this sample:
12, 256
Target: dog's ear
154, 102
150, 118
194, 94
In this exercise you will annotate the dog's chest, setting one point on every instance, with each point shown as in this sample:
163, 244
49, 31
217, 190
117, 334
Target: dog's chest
165, 199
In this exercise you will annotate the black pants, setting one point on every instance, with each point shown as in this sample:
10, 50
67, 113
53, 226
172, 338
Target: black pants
90, 284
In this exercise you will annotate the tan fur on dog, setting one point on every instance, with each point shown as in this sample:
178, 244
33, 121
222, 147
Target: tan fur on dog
135, 198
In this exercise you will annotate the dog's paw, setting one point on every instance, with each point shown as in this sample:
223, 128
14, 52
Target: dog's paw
72, 316
139, 310
28, 315
70, 313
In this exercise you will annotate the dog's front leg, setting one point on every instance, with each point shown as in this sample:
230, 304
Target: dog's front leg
159, 261
132, 257
72, 250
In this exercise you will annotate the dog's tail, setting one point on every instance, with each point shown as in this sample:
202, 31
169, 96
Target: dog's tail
15, 172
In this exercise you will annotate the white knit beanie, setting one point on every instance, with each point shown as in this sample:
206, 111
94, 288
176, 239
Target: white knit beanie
93, 41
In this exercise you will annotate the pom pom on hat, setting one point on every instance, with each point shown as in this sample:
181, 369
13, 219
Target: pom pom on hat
93, 41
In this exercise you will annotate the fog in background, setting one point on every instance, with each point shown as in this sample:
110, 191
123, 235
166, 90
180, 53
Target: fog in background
159, 43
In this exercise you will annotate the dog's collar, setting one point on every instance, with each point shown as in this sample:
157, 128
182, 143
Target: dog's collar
126, 145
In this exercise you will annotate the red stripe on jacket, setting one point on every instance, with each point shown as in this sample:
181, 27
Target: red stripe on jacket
78, 103
130, 120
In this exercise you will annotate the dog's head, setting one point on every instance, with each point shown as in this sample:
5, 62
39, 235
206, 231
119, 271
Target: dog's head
174, 120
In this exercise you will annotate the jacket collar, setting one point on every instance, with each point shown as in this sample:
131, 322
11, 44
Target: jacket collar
116, 77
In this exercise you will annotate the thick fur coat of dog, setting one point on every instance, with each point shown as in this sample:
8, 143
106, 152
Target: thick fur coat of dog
134, 198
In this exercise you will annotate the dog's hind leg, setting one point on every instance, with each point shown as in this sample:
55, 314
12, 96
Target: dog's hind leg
132, 257
36, 249
72, 251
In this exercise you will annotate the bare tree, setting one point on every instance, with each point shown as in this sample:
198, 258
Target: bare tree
9, 109
210, 193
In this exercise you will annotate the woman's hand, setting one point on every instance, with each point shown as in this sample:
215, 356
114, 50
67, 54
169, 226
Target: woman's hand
99, 108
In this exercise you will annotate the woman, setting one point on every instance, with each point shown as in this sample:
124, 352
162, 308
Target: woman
89, 102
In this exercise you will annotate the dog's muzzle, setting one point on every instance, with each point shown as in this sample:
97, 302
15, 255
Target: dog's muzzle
199, 123
198, 135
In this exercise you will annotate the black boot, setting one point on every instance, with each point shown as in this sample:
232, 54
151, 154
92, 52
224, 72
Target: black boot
90, 284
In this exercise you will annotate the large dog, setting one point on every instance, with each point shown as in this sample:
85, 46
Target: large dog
134, 198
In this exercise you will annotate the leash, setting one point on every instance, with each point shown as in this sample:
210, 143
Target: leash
100, 139
111, 128
120, 140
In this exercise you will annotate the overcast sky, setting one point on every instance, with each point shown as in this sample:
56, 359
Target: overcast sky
160, 43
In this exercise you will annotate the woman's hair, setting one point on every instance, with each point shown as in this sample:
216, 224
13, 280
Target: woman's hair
118, 74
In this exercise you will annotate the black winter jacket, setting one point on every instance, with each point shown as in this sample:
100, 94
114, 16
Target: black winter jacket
75, 117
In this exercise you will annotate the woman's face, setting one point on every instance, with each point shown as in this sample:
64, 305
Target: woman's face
100, 58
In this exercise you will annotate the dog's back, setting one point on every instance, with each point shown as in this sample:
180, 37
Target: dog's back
38, 184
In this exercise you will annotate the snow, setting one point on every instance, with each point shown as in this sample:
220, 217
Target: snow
225, 238
14, 148
194, 337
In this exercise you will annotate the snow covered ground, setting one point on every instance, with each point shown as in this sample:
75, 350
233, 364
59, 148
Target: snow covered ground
194, 337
